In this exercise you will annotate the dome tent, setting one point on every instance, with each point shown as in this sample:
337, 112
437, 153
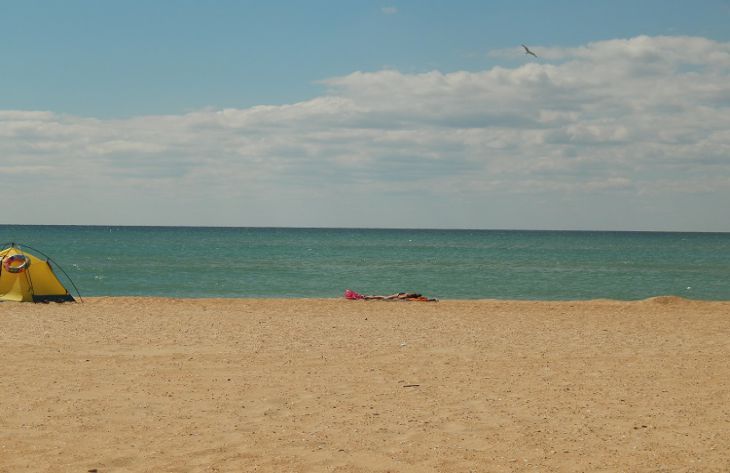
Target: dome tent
25, 277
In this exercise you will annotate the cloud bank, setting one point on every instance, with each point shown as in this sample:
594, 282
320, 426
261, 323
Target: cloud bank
625, 134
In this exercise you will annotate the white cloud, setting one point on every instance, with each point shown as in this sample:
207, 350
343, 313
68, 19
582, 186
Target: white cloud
389, 10
646, 116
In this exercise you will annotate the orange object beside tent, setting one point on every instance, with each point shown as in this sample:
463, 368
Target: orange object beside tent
25, 277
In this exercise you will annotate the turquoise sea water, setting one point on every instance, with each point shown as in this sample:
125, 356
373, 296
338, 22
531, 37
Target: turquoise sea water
449, 264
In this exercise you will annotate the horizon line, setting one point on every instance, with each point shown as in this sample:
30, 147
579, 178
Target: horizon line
269, 227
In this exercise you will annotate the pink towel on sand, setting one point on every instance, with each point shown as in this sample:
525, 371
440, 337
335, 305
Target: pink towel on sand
352, 295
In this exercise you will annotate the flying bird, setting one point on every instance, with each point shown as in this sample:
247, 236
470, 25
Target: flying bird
527, 51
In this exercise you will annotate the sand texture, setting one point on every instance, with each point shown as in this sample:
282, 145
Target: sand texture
163, 385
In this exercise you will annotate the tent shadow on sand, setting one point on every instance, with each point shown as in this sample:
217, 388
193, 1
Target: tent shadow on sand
25, 277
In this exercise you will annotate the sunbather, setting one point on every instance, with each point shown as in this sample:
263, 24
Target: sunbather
400, 296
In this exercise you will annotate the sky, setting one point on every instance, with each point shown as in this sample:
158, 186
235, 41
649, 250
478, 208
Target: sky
402, 114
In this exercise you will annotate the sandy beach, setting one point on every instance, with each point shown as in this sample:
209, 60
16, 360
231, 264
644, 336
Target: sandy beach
221, 385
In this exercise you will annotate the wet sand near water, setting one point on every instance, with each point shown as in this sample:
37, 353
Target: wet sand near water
316, 385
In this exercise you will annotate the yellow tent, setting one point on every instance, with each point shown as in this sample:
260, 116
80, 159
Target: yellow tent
27, 278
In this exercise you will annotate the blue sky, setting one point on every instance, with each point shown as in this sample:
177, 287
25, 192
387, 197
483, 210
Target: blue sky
128, 58
376, 114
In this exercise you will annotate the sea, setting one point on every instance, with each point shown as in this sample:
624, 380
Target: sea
194, 262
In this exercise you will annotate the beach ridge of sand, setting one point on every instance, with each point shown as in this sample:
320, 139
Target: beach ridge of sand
137, 384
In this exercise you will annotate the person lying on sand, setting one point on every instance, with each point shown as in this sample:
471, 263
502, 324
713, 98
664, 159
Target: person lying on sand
400, 296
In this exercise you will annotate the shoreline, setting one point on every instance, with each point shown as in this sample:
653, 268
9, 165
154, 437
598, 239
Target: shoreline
658, 299
308, 385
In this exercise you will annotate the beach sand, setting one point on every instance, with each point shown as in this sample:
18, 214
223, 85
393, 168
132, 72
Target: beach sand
220, 385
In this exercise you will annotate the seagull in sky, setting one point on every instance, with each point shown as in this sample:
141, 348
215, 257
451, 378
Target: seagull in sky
527, 51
